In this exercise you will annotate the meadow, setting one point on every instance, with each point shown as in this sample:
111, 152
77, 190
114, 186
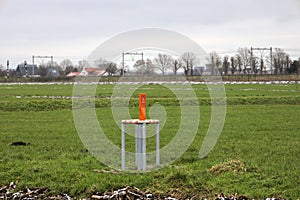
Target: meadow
260, 137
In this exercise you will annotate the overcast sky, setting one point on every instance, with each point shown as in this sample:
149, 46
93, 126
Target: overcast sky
74, 28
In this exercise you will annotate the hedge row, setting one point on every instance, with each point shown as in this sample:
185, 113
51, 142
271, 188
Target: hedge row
59, 104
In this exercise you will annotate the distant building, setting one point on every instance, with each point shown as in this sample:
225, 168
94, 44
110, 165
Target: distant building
198, 70
92, 71
32, 70
53, 72
73, 74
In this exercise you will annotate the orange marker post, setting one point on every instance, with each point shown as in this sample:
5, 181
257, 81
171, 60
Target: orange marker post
142, 107
140, 137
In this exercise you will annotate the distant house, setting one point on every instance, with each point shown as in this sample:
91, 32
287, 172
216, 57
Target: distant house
73, 74
53, 72
92, 71
198, 70
32, 70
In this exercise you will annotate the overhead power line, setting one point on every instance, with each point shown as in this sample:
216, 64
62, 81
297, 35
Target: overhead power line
261, 52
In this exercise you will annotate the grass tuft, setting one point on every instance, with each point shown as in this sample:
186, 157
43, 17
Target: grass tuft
232, 165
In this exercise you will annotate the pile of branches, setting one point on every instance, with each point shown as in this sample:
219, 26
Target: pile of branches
125, 193
130, 193
7, 192
236, 197
133, 193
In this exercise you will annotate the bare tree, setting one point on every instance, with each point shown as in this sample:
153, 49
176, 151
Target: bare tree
225, 65
279, 60
239, 62
254, 64
163, 62
50, 64
214, 62
123, 69
44, 67
66, 63
101, 63
144, 67
69, 69
262, 64
177, 64
294, 67
245, 56
2, 70
288, 62
111, 68
83, 64
188, 61
234, 64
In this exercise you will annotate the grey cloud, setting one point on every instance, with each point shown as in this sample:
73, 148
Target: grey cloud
33, 22
69, 14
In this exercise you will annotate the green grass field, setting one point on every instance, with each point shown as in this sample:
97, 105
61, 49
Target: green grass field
261, 131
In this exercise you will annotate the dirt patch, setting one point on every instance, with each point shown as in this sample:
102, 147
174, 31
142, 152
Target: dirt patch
232, 165
19, 143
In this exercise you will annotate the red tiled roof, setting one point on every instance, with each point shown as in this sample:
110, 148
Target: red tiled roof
73, 74
91, 69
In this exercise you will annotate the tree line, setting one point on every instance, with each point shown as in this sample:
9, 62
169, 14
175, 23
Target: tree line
243, 62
